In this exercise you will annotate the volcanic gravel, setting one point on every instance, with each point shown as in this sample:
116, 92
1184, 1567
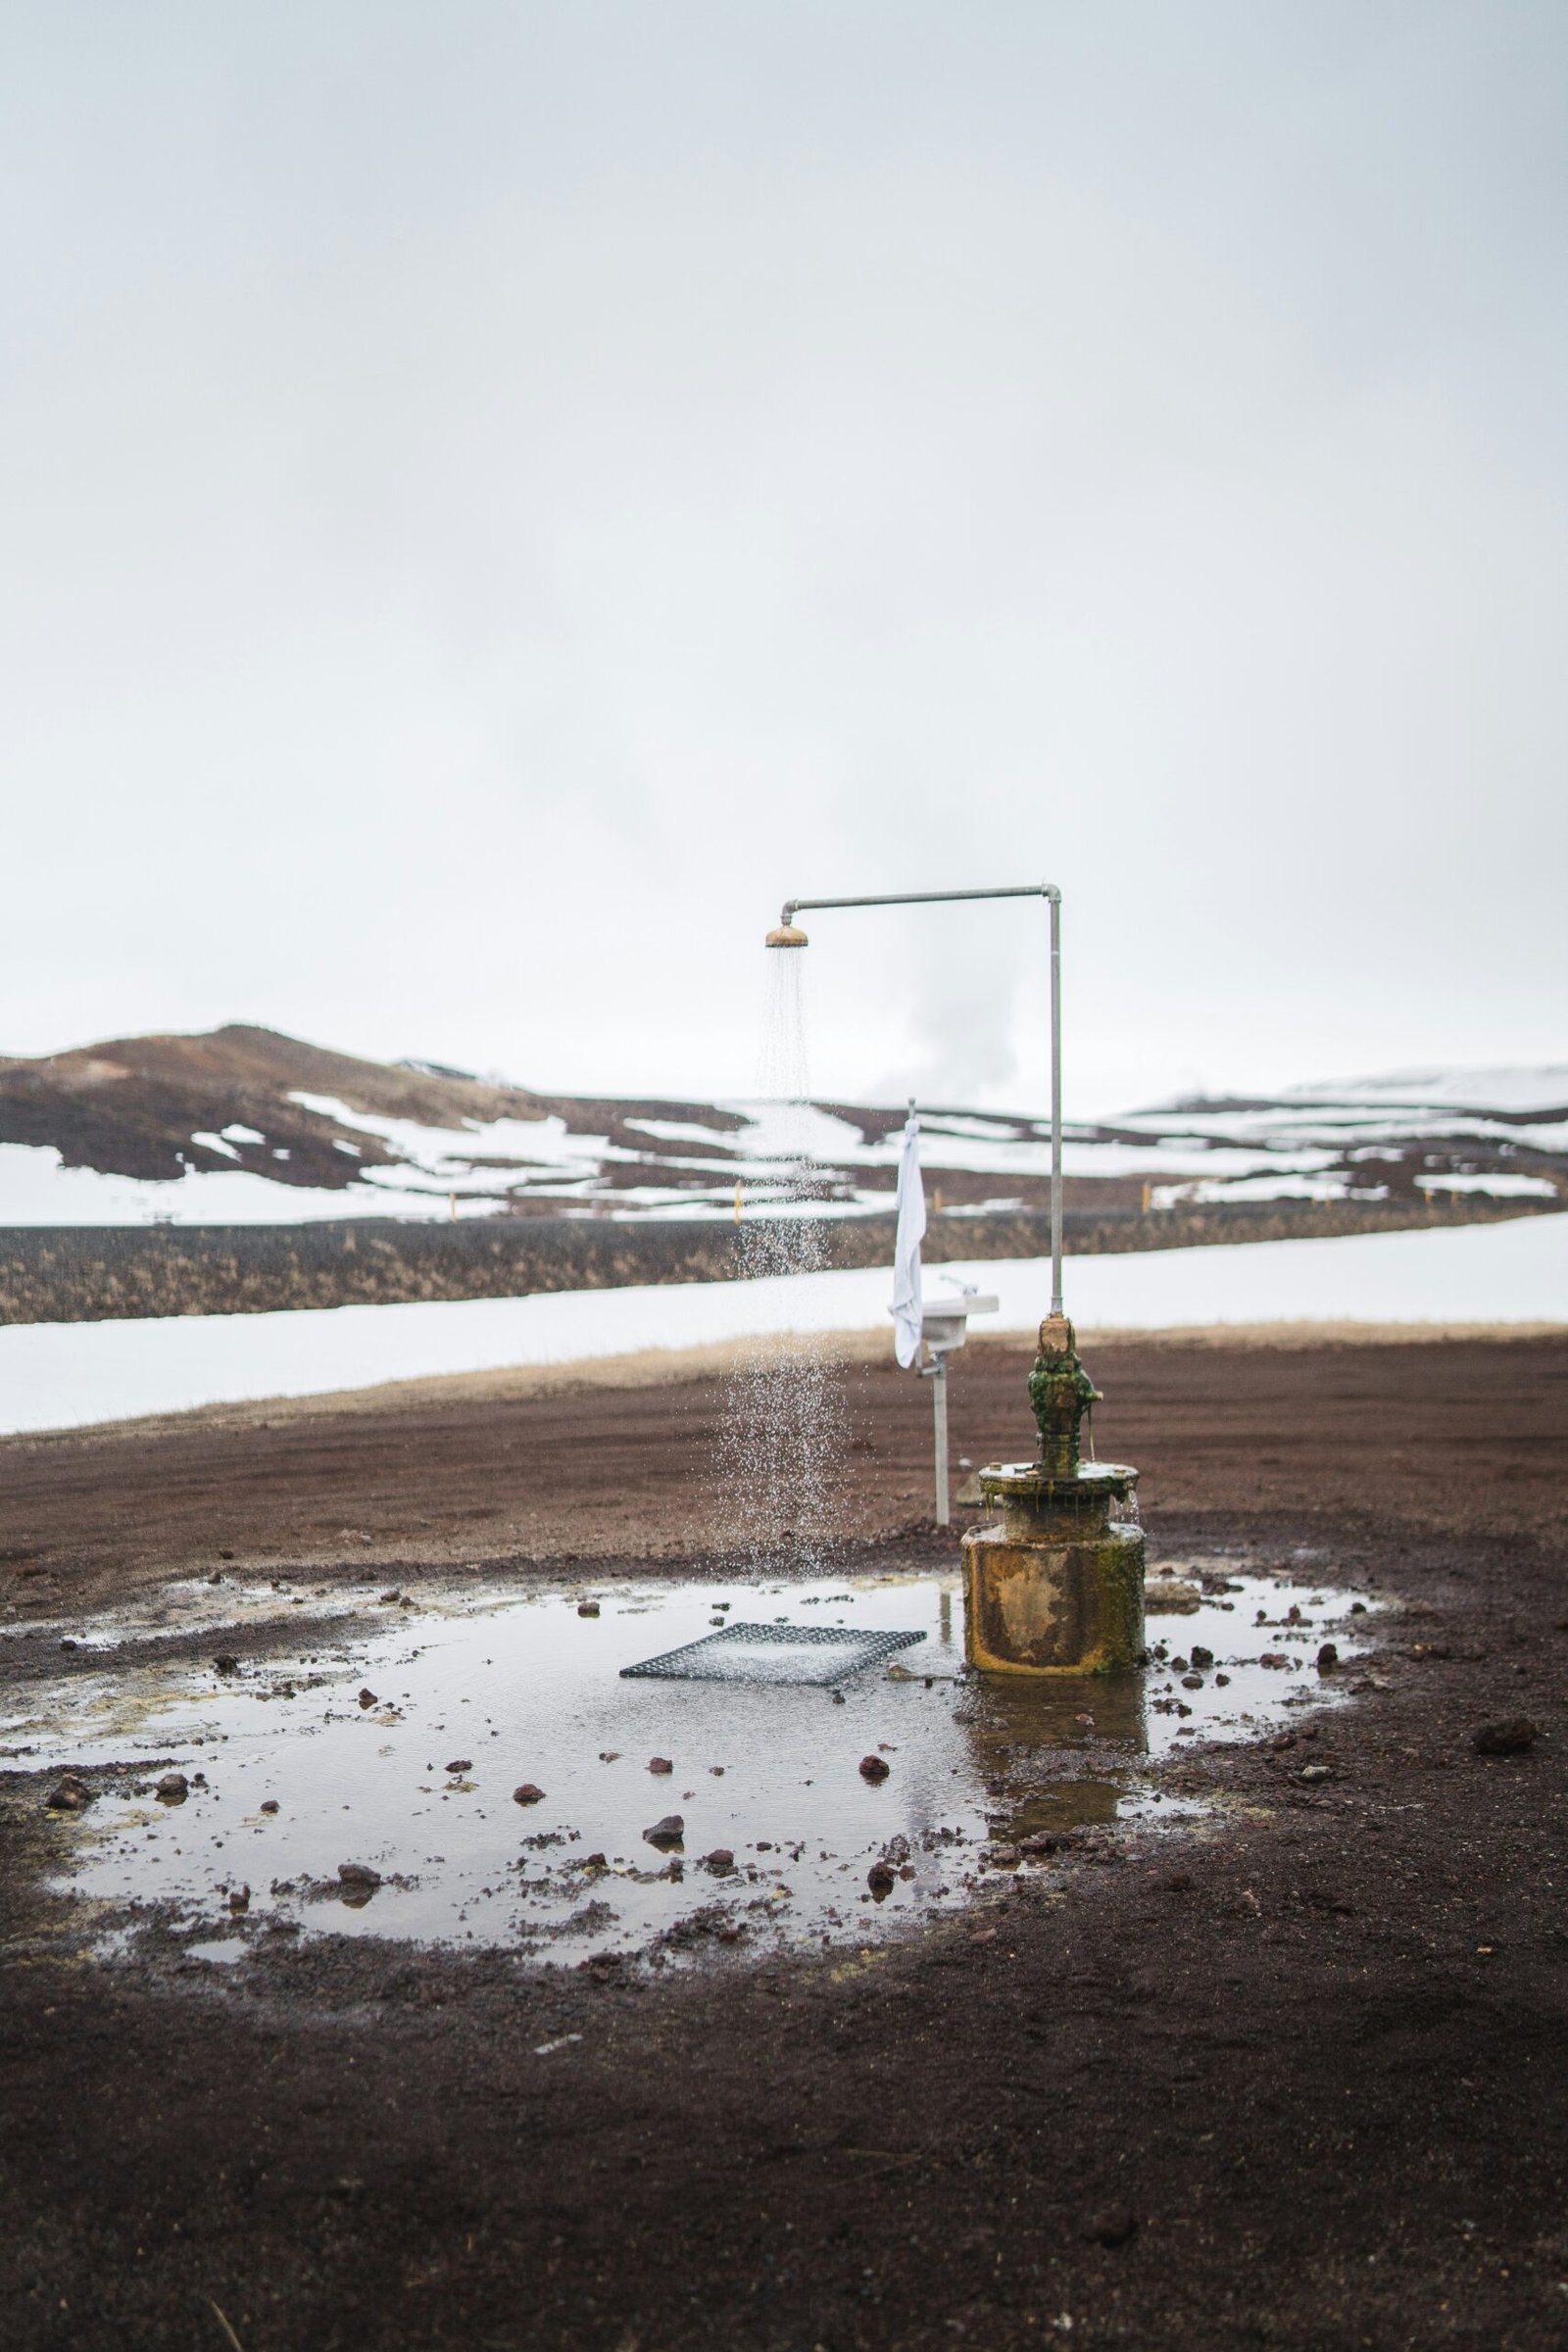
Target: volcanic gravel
1291, 2081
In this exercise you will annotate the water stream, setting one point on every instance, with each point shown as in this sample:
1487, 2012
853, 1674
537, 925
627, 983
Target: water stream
783, 1436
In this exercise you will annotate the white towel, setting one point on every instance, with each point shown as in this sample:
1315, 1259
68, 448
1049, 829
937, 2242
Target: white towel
907, 1250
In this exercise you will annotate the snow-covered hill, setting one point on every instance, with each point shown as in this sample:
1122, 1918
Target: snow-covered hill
244, 1126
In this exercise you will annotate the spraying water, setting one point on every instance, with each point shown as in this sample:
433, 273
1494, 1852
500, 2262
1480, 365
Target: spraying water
784, 1425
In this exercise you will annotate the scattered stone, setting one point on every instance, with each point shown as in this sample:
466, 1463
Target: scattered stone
226, 1662
1192, 1682
593, 1862
1515, 1737
1276, 1658
1327, 1658
587, 1608
239, 1899
881, 1879
660, 1764
269, 1804
720, 1859
68, 1644
1168, 1596
173, 1788
71, 1794
666, 1832
1113, 2225
874, 1768
368, 1697
1202, 1657
359, 1874
1311, 1774
461, 1764
527, 1795
388, 1598
1002, 1857
225, 1555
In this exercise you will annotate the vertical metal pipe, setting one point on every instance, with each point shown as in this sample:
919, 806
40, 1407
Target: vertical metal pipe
939, 1405
1054, 897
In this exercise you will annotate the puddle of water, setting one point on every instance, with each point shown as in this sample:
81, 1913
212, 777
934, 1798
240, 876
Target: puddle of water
401, 1752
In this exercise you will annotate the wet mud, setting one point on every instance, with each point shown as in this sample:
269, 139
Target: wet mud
1287, 2076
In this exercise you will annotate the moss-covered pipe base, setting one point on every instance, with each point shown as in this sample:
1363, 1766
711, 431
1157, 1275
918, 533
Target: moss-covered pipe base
1057, 1587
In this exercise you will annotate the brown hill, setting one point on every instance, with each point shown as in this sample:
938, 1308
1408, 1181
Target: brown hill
132, 1106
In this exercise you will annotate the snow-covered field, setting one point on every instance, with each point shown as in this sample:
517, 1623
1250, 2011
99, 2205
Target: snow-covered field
67, 1375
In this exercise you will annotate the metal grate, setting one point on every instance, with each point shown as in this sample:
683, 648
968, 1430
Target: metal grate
774, 1654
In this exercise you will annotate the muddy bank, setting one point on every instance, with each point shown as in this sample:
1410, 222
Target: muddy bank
1296, 2084
74, 1274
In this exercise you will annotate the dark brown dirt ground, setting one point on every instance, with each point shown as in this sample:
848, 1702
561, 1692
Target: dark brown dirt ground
1295, 2083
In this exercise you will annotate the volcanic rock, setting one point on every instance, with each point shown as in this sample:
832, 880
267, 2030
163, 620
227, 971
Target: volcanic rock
527, 1795
1515, 1737
874, 1768
666, 1832
1112, 2227
173, 1788
1168, 1596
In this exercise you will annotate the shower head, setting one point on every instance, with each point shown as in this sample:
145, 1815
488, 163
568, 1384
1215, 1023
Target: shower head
786, 936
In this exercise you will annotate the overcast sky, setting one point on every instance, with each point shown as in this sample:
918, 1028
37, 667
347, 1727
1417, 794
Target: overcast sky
496, 495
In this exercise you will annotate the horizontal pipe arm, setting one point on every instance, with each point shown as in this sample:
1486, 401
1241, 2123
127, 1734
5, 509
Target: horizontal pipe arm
925, 898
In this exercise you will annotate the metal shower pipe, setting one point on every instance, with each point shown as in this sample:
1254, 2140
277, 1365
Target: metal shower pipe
1019, 889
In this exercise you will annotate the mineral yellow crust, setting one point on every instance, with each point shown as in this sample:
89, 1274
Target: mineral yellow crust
1036, 1605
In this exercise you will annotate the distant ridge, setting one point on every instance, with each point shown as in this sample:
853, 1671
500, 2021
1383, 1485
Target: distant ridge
246, 1125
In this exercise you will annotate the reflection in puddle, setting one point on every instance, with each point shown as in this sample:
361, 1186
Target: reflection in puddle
367, 1787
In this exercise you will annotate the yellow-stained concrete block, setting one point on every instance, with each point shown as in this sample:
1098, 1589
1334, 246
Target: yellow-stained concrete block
1057, 1587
